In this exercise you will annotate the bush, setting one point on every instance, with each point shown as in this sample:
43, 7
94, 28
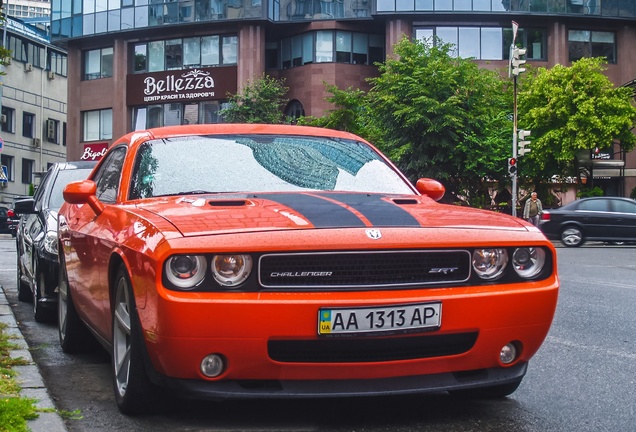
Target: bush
589, 192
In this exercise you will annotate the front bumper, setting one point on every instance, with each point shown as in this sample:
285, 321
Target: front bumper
180, 329
419, 384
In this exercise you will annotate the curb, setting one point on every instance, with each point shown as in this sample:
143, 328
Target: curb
28, 376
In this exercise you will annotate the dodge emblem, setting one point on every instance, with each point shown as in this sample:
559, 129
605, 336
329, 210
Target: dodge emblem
373, 234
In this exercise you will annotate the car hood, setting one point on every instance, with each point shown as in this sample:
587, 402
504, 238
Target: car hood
220, 214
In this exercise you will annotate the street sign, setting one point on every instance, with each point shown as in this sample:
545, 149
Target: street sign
1, 144
515, 28
3, 174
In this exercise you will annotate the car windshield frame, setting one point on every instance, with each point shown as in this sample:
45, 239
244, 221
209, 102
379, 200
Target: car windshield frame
246, 163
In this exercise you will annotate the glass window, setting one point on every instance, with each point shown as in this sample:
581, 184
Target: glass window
192, 52
297, 50
469, 42
360, 48
491, 43
584, 43
624, 206
98, 125
343, 47
141, 17
98, 63
308, 48
28, 121
210, 52
174, 54
114, 20
593, 205
141, 58
230, 49
404, 5
7, 162
9, 119
324, 46
27, 171
156, 57
107, 178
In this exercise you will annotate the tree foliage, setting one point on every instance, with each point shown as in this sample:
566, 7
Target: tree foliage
569, 109
261, 101
443, 117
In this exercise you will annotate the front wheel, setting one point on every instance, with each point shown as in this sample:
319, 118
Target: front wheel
572, 236
24, 292
74, 336
40, 313
134, 392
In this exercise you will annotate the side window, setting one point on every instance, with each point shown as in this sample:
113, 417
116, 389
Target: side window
38, 197
624, 206
108, 176
594, 205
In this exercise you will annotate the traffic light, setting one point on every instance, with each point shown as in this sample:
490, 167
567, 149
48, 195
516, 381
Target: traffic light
522, 142
512, 166
516, 61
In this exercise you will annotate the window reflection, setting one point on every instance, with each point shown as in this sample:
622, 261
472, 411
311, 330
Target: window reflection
264, 163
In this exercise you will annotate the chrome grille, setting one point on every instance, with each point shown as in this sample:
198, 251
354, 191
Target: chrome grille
363, 269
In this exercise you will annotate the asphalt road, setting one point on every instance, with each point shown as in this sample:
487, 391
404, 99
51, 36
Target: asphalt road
582, 379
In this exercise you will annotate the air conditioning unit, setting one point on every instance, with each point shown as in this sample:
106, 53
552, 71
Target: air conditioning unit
51, 75
36, 142
3, 118
28, 67
50, 130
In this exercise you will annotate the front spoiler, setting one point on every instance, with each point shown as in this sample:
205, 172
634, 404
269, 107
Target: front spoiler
274, 389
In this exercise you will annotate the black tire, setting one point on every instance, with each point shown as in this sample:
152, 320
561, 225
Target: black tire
134, 392
492, 392
39, 313
572, 236
74, 336
24, 292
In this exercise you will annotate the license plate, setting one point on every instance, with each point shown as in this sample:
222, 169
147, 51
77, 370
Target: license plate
380, 319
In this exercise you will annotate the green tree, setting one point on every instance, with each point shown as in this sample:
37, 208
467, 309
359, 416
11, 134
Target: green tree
262, 101
348, 115
443, 117
570, 109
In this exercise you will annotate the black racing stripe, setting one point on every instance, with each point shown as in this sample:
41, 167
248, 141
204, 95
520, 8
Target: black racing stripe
320, 212
379, 212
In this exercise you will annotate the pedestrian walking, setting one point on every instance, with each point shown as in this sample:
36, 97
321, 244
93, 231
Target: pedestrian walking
533, 209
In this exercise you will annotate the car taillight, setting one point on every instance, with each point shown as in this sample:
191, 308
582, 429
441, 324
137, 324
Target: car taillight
10, 213
545, 216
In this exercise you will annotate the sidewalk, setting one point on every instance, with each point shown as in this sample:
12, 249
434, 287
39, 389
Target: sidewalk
29, 375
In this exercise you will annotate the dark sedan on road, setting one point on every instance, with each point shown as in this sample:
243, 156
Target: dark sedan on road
37, 237
4, 220
608, 219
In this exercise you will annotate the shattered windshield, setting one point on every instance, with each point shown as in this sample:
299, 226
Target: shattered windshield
260, 163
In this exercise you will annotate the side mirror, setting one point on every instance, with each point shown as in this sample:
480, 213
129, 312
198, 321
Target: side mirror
431, 188
24, 206
83, 192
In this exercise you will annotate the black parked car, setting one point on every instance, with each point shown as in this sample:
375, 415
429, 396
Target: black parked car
4, 220
608, 219
37, 237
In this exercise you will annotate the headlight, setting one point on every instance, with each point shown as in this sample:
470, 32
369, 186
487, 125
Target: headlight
186, 271
528, 262
231, 270
50, 242
489, 264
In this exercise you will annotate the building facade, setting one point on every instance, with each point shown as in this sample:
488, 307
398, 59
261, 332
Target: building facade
34, 108
141, 63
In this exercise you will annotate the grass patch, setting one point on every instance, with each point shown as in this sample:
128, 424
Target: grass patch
14, 409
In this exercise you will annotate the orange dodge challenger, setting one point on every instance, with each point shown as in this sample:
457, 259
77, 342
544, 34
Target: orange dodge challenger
269, 261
